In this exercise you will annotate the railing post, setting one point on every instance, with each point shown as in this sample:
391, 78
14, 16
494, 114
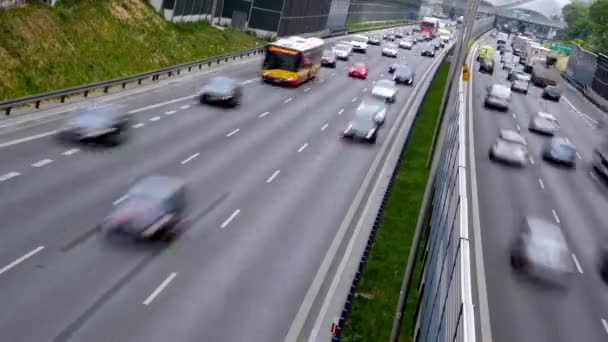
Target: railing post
139, 81
7, 111
189, 68
178, 70
105, 89
170, 74
124, 85
86, 93
62, 98
37, 104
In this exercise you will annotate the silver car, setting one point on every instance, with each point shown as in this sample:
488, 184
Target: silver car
406, 44
541, 251
498, 96
373, 107
510, 148
561, 151
390, 50
543, 123
520, 86
385, 89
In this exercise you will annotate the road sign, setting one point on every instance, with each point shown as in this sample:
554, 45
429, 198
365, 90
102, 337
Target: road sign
561, 48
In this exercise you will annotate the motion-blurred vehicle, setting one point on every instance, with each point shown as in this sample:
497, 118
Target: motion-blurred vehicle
359, 43
552, 93
543, 123
506, 51
393, 67
155, 207
374, 40
517, 74
428, 51
374, 107
362, 127
498, 96
358, 70
292, 61
485, 51
600, 160
508, 66
436, 45
560, 151
390, 36
406, 44
390, 50
404, 75
543, 76
328, 59
104, 125
345, 46
398, 34
341, 51
510, 148
222, 90
603, 263
386, 90
486, 65
520, 86
420, 38
540, 250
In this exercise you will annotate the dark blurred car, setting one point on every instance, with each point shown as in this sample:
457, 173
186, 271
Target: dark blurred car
328, 59
406, 44
386, 90
404, 75
374, 107
600, 160
398, 34
428, 51
560, 151
155, 207
520, 86
506, 51
541, 251
362, 127
508, 66
358, 70
393, 67
603, 263
390, 50
436, 45
486, 65
543, 123
374, 40
552, 93
510, 148
498, 96
98, 125
222, 90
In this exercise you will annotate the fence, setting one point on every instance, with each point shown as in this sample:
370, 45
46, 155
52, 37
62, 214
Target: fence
445, 309
589, 73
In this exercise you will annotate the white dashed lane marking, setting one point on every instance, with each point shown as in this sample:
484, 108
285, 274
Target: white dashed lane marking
542, 185
156, 118
263, 114
160, 288
324, 127
70, 152
42, 162
185, 107
302, 147
189, 158
21, 259
341, 111
605, 324
274, 175
555, 216
233, 132
138, 125
578, 265
229, 219
120, 200
8, 176
288, 100
171, 112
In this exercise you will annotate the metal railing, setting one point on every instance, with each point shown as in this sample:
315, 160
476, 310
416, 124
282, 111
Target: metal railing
84, 90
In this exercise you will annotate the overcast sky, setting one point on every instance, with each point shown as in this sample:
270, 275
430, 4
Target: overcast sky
546, 7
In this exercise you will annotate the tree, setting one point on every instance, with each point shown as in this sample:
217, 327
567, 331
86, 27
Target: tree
575, 11
598, 16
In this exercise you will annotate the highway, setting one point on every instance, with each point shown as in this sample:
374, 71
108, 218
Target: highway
270, 182
521, 309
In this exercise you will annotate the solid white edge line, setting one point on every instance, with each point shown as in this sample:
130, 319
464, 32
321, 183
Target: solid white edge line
263, 114
542, 185
233, 132
482, 291
8, 176
21, 259
138, 125
274, 175
159, 289
33, 137
160, 104
229, 219
555, 216
302, 147
42, 162
605, 324
189, 158
577, 264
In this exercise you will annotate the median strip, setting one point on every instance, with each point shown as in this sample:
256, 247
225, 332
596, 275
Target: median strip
374, 303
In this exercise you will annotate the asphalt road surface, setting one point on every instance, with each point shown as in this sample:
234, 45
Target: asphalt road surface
270, 183
521, 309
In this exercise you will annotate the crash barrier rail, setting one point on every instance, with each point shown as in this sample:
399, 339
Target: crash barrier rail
588, 72
62, 94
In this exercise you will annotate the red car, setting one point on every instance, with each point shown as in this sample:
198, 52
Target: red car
358, 70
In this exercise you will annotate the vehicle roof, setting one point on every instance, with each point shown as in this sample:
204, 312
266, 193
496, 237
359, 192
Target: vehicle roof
511, 135
562, 141
299, 43
540, 228
160, 186
546, 116
385, 82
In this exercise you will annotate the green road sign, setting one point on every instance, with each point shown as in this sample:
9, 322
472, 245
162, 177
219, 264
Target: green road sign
561, 48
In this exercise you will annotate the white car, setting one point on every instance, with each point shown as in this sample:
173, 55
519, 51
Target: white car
390, 50
406, 44
359, 43
385, 89
344, 46
374, 108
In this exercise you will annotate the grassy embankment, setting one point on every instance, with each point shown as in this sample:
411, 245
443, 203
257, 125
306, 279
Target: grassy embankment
377, 294
374, 25
44, 48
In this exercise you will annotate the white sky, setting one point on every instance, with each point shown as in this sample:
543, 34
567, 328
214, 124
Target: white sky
546, 7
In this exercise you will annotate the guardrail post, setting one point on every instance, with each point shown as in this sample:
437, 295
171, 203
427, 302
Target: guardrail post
86, 93
189, 68
178, 71
62, 98
248, 54
37, 104
7, 111
139, 81
226, 59
170, 74
124, 85
218, 61
105, 89
200, 66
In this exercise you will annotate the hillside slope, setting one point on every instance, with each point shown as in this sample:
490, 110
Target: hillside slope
83, 41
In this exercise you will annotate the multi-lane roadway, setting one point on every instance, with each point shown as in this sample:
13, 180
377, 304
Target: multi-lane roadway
576, 200
270, 183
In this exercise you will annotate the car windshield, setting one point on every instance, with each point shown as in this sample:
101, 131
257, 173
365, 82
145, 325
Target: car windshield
565, 151
512, 136
546, 252
500, 91
359, 66
221, 84
403, 71
92, 119
520, 83
363, 120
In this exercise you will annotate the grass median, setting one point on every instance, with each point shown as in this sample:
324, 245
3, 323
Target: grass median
374, 25
378, 291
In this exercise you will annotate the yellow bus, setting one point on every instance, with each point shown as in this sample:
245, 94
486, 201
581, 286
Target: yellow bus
292, 61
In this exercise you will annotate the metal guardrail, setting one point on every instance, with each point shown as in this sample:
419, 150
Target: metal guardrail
62, 94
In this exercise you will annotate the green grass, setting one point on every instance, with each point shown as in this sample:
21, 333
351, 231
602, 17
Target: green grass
377, 294
45, 48
373, 25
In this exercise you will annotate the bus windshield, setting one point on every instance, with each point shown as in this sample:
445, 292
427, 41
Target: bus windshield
284, 60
